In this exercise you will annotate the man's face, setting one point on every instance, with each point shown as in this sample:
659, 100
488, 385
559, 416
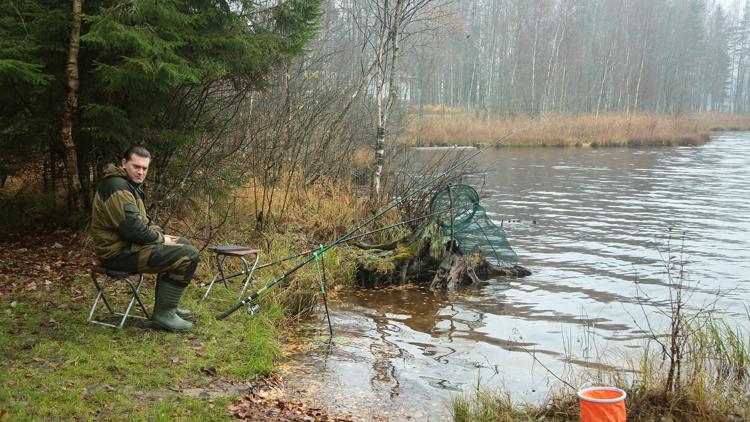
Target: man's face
136, 168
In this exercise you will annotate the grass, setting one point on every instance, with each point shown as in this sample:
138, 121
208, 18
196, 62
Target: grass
433, 127
56, 365
713, 385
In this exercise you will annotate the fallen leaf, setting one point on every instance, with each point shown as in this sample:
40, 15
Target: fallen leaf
210, 370
199, 351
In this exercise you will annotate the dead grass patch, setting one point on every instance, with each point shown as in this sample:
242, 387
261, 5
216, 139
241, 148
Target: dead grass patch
464, 127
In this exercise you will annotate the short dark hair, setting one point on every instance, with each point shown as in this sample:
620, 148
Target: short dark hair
137, 150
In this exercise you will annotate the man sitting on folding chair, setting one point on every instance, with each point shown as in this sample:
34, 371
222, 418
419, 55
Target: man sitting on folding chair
125, 239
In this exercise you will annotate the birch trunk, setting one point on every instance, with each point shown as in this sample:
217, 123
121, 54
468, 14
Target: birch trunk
72, 179
601, 86
379, 114
533, 67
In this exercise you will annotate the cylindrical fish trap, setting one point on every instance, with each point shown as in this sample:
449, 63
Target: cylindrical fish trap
602, 404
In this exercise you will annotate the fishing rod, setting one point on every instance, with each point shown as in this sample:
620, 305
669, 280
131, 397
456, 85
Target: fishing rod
359, 236
316, 250
394, 203
321, 263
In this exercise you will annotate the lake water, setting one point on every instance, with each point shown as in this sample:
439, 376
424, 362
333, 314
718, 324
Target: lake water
588, 223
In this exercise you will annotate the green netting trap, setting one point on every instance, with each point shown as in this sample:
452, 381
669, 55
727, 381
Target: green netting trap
462, 217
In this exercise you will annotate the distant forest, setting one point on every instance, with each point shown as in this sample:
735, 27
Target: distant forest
536, 56
275, 91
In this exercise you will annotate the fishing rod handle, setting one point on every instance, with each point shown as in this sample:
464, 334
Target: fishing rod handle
237, 306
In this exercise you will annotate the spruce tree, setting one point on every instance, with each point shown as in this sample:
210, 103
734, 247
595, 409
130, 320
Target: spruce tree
159, 73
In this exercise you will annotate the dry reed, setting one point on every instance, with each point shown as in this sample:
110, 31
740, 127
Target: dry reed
456, 127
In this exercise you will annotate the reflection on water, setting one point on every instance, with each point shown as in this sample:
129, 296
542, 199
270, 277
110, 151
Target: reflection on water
588, 223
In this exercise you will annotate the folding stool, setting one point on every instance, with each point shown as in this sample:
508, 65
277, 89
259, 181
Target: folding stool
108, 276
225, 251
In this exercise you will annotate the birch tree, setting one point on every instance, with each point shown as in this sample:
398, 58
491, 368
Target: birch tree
395, 22
73, 181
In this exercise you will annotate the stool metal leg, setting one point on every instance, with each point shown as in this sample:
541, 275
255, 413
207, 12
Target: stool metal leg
136, 297
135, 289
136, 294
99, 292
100, 295
210, 285
216, 277
220, 264
249, 273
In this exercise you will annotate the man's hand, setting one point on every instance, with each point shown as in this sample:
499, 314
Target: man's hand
170, 240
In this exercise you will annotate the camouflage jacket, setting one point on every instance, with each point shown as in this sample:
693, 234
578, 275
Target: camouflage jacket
119, 221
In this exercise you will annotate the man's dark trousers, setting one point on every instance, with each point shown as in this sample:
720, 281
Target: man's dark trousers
176, 262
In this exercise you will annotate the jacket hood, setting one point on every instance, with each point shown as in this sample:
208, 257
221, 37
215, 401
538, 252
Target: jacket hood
111, 170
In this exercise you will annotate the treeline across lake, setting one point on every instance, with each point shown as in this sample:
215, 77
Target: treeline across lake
519, 56
539, 56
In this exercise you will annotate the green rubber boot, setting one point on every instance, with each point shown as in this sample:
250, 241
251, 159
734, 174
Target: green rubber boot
165, 316
181, 312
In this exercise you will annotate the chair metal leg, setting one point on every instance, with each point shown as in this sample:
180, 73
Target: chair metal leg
249, 273
220, 264
136, 294
246, 273
99, 292
136, 297
100, 295
210, 285
134, 288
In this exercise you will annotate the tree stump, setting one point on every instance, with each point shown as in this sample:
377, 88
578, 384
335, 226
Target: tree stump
425, 256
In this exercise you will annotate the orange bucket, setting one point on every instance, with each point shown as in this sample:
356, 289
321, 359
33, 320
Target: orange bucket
602, 404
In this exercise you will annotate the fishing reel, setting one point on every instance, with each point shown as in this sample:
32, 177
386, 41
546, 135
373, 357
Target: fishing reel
253, 309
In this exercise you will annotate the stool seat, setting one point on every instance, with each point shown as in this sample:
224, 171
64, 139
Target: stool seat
238, 251
97, 269
235, 250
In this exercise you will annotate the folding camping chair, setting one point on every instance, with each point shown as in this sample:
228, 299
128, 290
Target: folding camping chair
225, 251
108, 277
